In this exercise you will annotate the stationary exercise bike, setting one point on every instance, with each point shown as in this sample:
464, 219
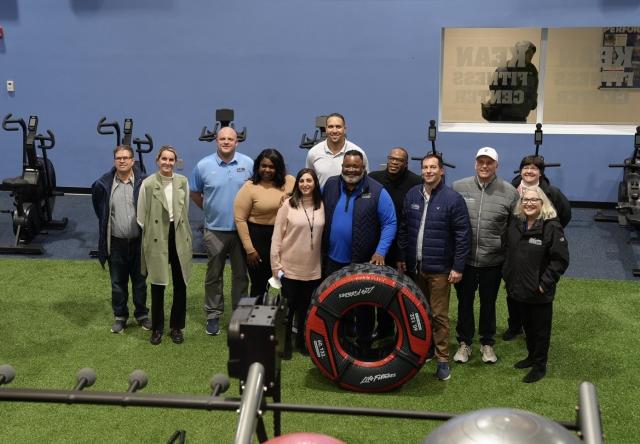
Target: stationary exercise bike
224, 118
143, 146
537, 140
108, 128
628, 206
33, 191
320, 134
432, 132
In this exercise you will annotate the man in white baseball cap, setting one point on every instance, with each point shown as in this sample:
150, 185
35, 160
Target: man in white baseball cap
491, 202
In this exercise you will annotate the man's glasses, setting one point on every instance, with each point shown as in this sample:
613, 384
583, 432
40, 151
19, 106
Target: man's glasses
123, 158
392, 159
530, 200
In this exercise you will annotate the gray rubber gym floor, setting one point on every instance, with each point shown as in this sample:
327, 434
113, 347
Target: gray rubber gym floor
598, 249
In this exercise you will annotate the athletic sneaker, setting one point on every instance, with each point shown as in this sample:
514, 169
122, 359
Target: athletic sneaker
463, 353
443, 372
145, 323
488, 355
213, 327
118, 326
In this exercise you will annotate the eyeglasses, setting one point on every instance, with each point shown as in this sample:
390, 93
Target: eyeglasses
123, 158
392, 159
530, 200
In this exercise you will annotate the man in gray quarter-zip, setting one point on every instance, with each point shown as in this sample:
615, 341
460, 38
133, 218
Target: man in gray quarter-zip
491, 202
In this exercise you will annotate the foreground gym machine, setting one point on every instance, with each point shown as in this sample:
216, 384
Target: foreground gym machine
34, 191
256, 339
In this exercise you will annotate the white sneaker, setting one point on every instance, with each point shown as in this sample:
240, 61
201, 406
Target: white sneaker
488, 355
463, 353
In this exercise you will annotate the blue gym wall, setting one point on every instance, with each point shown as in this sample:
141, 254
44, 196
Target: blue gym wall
169, 64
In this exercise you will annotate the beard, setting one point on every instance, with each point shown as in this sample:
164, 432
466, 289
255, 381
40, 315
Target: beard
352, 180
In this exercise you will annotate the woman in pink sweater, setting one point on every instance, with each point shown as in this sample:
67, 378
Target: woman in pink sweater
296, 248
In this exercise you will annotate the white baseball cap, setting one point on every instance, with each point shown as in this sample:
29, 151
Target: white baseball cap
489, 152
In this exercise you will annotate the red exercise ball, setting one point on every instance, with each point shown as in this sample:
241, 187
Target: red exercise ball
304, 438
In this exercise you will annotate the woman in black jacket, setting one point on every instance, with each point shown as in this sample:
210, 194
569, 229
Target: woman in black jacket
537, 255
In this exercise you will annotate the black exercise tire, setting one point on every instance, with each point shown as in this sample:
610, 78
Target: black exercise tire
379, 286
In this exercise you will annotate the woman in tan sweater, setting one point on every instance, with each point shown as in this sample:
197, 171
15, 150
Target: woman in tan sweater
254, 211
295, 249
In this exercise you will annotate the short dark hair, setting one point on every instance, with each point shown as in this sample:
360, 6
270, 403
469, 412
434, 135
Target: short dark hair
123, 148
344, 122
435, 156
296, 196
536, 161
278, 161
404, 151
354, 153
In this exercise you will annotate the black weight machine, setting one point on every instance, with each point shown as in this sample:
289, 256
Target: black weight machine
432, 132
224, 117
143, 146
34, 191
628, 206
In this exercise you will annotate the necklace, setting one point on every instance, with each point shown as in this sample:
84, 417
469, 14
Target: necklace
311, 221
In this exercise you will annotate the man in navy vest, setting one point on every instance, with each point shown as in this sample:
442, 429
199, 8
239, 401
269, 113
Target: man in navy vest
360, 225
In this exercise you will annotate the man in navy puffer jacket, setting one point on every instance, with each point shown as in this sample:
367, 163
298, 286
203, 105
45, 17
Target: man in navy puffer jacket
434, 241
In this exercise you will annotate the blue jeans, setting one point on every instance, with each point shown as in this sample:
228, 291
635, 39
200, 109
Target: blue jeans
124, 263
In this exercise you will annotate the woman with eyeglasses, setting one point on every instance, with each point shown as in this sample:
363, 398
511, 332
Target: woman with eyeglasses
537, 255
163, 214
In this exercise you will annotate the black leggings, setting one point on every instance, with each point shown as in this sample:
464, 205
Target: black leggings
298, 295
179, 305
261, 239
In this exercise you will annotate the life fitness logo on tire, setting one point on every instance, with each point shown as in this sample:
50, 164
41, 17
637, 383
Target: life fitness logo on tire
376, 286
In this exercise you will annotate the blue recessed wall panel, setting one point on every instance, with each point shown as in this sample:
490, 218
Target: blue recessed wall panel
169, 64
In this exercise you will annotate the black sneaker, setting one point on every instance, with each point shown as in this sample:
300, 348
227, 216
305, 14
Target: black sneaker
510, 335
119, 326
524, 363
534, 375
156, 337
145, 323
213, 327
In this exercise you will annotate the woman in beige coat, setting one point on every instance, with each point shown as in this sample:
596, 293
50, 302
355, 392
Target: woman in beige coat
163, 214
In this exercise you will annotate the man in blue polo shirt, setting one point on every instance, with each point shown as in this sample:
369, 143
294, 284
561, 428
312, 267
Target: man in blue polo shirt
360, 225
214, 183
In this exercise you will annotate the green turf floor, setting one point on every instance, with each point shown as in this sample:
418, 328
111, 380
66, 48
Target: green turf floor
55, 317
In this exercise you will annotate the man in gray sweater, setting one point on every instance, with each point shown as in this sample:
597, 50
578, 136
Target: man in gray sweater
491, 202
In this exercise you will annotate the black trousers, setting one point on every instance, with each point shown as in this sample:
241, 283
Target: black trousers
487, 281
514, 321
298, 295
261, 239
536, 320
179, 304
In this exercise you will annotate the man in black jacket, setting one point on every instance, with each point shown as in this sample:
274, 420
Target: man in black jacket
531, 175
114, 197
397, 179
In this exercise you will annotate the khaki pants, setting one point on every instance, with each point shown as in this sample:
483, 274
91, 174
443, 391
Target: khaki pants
436, 287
